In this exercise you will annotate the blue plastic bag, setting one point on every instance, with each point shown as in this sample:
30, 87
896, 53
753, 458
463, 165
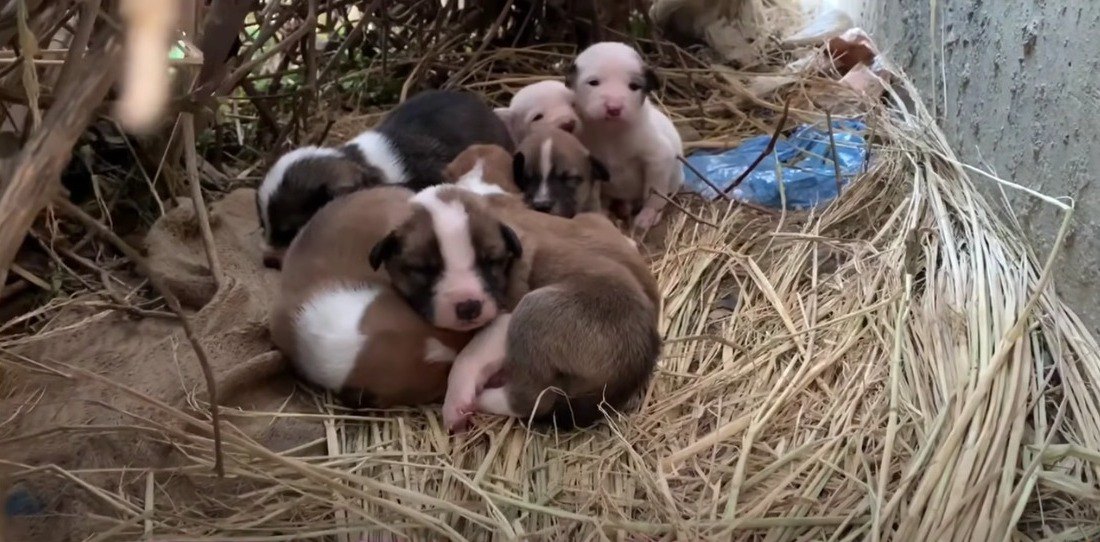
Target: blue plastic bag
808, 173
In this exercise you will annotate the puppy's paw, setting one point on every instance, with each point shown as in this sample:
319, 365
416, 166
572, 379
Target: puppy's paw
456, 416
648, 218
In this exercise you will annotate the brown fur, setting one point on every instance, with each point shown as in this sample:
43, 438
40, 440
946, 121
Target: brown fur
334, 248
415, 261
497, 168
573, 182
588, 322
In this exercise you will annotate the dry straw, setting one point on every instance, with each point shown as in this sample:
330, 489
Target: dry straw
895, 366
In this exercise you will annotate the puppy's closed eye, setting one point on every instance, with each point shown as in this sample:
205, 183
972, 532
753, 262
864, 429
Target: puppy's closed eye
537, 118
594, 83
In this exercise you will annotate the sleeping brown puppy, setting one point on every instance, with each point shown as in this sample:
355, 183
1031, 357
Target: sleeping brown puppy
557, 174
584, 331
342, 324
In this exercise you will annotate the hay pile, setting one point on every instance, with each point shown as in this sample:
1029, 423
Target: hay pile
896, 366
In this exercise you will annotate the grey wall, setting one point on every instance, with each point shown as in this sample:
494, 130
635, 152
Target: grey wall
1023, 98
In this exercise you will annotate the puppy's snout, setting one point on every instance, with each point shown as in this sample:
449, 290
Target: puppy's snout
614, 111
273, 259
542, 205
468, 310
569, 125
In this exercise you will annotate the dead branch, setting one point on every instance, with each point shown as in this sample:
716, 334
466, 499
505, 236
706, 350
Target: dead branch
35, 178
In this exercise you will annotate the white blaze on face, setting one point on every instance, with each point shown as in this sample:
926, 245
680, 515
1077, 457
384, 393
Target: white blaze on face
546, 164
460, 281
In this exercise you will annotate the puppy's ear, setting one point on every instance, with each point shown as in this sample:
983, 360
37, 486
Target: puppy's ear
451, 171
508, 116
519, 169
348, 177
652, 81
599, 171
384, 250
511, 241
571, 76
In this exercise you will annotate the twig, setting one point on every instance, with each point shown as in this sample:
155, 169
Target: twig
143, 267
34, 179
832, 148
684, 210
30, 277
767, 150
192, 164
485, 41
705, 179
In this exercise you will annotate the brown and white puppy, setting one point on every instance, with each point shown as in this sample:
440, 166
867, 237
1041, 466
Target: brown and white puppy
488, 164
557, 174
636, 141
584, 334
450, 259
410, 146
540, 105
340, 322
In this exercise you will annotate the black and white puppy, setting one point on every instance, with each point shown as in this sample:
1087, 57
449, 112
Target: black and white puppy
410, 147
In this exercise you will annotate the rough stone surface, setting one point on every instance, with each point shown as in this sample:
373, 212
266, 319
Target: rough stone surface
1016, 87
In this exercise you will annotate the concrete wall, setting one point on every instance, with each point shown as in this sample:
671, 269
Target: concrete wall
1022, 98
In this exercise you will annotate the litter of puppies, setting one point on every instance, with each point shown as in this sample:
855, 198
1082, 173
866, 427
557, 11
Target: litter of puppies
432, 230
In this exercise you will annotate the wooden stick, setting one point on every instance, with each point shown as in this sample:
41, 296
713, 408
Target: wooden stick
35, 177
201, 213
143, 267
767, 150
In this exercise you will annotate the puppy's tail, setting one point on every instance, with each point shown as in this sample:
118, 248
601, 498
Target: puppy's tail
327, 334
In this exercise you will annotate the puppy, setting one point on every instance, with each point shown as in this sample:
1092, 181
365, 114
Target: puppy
490, 164
342, 325
557, 174
636, 141
540, 105
411, 146
450, 259
584, 332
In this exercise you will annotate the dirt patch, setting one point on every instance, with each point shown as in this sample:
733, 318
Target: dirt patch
75, 423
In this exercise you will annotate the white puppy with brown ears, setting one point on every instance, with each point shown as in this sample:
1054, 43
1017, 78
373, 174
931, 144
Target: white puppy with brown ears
625, 130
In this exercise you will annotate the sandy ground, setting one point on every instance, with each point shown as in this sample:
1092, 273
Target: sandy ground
73, 422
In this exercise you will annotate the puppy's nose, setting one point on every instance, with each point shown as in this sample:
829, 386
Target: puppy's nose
273, 261
542, 205
614, 110
569, 126
468, 310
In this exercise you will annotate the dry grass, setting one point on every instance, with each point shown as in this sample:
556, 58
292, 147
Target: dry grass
895, 366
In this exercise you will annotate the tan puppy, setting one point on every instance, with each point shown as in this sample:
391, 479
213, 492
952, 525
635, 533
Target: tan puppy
546, 104
340, 322
557, 174
635, 140
585, 333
